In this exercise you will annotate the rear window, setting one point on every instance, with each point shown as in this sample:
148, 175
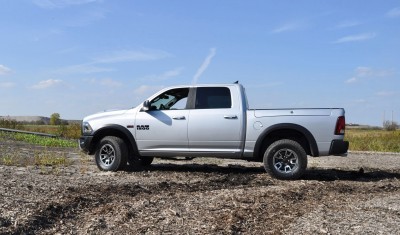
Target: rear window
213, 98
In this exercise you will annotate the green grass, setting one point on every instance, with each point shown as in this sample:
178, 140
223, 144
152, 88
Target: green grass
71, 131
39, 140
373, 140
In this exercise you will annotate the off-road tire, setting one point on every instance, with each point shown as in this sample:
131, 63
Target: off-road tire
111, 154
285, 159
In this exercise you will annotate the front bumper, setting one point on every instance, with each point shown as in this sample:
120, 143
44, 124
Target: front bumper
85, 143
339, 148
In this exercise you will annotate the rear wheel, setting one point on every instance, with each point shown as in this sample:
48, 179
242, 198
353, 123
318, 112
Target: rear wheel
111, 154
285, 159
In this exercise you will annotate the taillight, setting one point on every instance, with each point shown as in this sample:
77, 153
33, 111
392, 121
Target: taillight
340, 126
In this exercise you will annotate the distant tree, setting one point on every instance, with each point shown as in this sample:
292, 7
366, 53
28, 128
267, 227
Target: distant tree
390, 126
55, 119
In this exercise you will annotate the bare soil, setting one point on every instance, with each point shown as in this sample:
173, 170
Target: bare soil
359, 194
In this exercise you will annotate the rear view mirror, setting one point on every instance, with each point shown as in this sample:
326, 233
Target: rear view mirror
146, 106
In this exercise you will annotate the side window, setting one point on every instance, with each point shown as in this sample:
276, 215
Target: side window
171, 99
213, 98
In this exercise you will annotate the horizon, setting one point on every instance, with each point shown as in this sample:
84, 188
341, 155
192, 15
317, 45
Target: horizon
79, 57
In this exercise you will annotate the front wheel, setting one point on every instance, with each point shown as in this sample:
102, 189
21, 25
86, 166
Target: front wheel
111, 154
285, 159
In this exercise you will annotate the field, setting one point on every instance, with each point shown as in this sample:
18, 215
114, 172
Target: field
373, 140
71, 131
58, 190
360, 139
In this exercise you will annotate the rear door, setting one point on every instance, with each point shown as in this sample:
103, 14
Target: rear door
215, 123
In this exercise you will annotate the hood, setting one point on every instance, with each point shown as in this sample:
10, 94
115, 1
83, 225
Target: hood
105, 114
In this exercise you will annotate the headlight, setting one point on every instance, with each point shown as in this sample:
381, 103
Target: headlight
86, 128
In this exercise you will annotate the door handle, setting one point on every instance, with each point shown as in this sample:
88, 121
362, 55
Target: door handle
179, 118
230, 117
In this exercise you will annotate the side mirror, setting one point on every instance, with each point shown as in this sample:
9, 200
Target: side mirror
146, 106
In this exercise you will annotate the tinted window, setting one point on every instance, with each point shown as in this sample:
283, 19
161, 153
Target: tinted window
213, 98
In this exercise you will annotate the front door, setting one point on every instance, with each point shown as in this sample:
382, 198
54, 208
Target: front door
162, 130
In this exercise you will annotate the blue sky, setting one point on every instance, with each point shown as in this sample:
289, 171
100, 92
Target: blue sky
78, 57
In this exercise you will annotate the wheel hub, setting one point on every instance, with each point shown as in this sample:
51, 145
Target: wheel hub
285, 160
107, 154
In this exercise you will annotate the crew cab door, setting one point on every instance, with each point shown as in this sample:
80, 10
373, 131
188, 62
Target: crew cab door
162, 130
216, 122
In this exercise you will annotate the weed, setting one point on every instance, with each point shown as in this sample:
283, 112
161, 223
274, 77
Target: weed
46, 158
7, 160
39, 140
373, 140
70, 131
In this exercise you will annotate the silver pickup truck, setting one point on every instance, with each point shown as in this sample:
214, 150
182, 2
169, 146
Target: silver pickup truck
213, 121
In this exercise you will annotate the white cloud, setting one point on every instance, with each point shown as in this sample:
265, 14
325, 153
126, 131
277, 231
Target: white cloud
265, 85
204, 65
147, 90
370, 72
46, 84
360, 101
287, 27
356, 38
347, 24
82, 69
363, 72
51, 4
128, 55
4, 70
385, 93
393, 13
352, 80
97, 64
164, 76
108, 82
86, 18
6, 84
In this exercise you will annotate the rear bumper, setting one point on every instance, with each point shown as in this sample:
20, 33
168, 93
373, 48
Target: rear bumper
85, 143
339, 148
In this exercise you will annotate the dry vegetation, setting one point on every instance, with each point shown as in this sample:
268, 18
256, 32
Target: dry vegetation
373, 140
354, 195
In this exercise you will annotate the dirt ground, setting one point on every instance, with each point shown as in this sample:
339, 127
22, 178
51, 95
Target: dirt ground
359, 194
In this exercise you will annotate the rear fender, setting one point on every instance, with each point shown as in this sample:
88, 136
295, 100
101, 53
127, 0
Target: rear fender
274, 131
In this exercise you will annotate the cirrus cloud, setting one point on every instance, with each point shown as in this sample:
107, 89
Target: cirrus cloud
363, 72
6, 84
146, 89
393, 13
204, 65
4, 70
165, 75
356, 38
46, 84
52, 4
